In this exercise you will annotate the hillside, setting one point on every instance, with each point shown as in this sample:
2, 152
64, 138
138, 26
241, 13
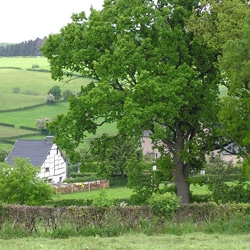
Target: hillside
22, 97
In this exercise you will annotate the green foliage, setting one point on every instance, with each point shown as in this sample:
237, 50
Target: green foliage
118, 181
66, 94
164, 205
70, 202
163, 80
41, 123
3, 154
246, 167
19, 184
103, 200
16, 90
219, 181
56, 92
111, 154
225, 27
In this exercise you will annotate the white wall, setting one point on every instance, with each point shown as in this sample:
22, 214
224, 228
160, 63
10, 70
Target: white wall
54, 167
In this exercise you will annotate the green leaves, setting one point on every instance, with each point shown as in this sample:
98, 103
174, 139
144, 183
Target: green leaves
150, 73
19, 184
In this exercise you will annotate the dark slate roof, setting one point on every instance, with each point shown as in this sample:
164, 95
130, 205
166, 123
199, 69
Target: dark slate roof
35, 150
231, 149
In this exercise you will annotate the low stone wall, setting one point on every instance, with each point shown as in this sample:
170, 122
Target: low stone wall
65, 188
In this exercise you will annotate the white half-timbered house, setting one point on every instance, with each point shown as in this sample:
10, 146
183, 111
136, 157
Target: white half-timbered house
41, 153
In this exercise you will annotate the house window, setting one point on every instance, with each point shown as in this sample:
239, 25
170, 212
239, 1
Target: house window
46, 170
60, 179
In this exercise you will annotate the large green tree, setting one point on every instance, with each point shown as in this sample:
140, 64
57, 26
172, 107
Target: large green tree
225, 26
149, 73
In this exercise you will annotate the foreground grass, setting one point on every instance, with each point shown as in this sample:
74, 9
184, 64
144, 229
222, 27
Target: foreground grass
133, 242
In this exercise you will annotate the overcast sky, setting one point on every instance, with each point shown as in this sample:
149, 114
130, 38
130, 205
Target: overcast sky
23, 20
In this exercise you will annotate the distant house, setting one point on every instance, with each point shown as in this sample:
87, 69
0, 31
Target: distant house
229, 154
147, 146
41, 153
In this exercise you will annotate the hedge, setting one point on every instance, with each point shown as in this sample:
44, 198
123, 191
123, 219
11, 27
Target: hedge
48, 219
23, 108
7, 124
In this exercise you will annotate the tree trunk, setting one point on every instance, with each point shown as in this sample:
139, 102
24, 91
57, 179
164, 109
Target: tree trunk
181, 171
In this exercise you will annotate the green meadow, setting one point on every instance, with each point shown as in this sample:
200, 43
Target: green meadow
21, 88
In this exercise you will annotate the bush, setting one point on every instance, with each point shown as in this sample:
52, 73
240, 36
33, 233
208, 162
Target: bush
16, 90
118, 181
165, 204
103, 200
56, 92
3, 154
76, 174
85, 178
19, 184
66, 94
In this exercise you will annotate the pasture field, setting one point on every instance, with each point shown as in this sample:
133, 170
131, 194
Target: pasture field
6, 132
112, 193
20, 88
32, 87
117, 193
24, 62
28, 117
192, 241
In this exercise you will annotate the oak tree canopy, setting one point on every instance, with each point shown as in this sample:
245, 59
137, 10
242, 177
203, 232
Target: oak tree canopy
149, 71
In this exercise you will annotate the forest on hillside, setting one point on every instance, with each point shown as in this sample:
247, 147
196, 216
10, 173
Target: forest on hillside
26, 48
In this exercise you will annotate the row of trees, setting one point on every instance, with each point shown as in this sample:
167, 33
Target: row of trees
158, 65
27, 48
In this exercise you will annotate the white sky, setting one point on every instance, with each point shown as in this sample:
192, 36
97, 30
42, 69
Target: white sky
23, 20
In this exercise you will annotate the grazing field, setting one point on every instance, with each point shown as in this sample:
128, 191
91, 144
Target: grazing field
118, 193
24, 62
192, 241
112, 193
6, 132
28, 117
21, 88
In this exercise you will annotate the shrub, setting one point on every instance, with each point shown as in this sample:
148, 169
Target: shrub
35, 66
66, 94
3, 154
56, 92
16, 90
165, 204
103, 200
19, 184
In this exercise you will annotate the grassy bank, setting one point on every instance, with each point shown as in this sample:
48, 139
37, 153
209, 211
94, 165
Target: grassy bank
192, 241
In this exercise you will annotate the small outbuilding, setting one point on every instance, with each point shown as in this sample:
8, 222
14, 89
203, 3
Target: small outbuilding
41, 153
